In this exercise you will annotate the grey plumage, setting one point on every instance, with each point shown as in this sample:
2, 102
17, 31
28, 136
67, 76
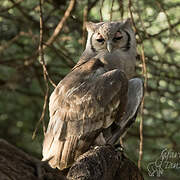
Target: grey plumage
123, 53
79, 111
134, 98
94, 95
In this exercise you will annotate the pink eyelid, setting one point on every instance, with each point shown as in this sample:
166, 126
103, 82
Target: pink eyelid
118, 34
99, 36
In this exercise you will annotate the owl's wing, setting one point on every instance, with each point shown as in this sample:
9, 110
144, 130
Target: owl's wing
80, 107
135, 96
134, 99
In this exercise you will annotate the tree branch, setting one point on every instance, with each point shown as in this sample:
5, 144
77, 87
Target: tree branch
61, 23
99, 163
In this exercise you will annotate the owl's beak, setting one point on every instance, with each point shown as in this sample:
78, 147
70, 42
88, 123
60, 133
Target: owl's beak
109, 46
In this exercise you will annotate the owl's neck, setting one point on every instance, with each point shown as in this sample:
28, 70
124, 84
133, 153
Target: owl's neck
90, 53
87, 54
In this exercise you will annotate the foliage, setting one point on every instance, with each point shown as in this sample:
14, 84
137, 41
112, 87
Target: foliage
22, 86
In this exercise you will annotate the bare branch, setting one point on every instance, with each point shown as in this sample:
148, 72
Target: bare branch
111, 11
100, 11
41, 54
85, 13
61, 23
11, 7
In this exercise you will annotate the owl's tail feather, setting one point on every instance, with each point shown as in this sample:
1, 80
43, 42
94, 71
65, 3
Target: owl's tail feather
59, 154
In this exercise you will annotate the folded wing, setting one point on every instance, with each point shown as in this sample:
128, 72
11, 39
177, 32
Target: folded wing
88, 100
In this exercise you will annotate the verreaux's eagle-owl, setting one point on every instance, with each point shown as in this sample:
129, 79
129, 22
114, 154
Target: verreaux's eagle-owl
95, 95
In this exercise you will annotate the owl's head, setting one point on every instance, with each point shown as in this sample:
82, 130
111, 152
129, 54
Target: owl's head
110, 36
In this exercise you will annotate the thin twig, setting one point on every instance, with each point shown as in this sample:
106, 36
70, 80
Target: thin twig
41, 55
92, 4
56, 32
61, 23
167, 17
101, 16
162, 30
85, 13
111, 11
43, 46
131, 14
11, 7
7, 44
121, 8
144, 70
23, 12
47, 74
142, 106
68, 61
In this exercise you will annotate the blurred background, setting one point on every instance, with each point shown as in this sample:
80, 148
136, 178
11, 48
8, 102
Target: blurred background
23, 88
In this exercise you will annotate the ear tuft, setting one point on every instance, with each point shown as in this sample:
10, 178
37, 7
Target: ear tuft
90, 26
128, 23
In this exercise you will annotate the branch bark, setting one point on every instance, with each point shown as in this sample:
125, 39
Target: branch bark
17, 165
99, 163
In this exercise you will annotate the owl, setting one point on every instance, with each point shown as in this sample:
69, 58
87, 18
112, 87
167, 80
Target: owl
114, 42
98, 100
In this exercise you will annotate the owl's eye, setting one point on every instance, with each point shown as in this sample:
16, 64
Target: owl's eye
118, 36
100, 40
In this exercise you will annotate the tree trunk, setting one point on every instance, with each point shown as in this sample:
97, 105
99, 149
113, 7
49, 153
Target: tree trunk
99, 163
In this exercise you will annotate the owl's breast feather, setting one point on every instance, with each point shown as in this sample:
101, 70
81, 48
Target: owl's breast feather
119, 60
